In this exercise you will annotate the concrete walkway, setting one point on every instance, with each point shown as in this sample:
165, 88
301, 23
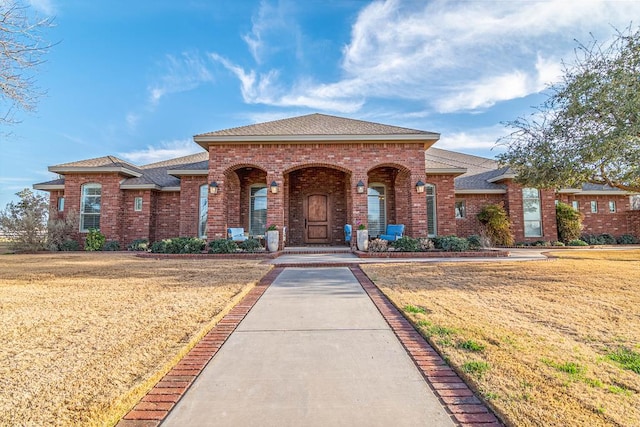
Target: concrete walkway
313, 351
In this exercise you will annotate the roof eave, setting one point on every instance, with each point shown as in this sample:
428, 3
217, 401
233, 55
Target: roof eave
187, 172
445, 171
205, 140
481, 191
94, 169
502, 177
140, 187
48, 187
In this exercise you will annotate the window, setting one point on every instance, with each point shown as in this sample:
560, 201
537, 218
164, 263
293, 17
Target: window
258, 210
575, 205
90, 207
594, 206
137, 204
635, 202
377, 210
532, 212
61, 204
432, 229
461, 209
612, 206
203, 211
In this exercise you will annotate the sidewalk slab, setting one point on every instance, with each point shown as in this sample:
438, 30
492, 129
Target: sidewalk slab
313, 351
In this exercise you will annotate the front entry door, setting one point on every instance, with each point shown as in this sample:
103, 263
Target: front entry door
317, 219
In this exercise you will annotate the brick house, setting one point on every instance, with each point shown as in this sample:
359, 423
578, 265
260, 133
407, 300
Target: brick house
313, 174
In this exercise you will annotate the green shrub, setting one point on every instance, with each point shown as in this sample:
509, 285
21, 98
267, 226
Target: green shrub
94, 241
569, 222
111, 245
249, 245
378, 245
406, 244
437, 242
454, 244
578, 242
222, 246
541, 243
475, 242
599, 239
179, 245
497, 225
608, 239
60, 230
627, 239
69, 245
138, 245
557, 243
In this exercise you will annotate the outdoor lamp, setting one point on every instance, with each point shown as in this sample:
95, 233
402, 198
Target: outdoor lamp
213, 187
360, 187
274, 187
420, 186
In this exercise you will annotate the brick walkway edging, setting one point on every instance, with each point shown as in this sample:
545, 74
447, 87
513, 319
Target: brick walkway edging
156, 404
465, 408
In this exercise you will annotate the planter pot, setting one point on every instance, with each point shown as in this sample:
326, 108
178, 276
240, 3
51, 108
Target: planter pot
273, 240
362, 241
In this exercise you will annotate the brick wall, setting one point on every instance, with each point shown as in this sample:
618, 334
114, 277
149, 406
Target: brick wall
137, 224
603, 221
445, 204
469, 225
633, 223
515, 210
167, 222
190, 205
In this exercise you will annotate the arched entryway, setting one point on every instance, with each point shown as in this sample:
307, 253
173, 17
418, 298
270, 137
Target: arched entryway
388, 198
246, 195
317, 204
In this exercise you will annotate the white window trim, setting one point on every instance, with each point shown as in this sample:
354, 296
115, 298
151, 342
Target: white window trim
612, 203
594, 206
251, 187
464, 208
203, 217
61, 204
383, 227
82, 204
435, 209
137, 204
539, 220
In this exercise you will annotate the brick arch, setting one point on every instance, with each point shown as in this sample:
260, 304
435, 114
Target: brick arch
237, 166
317, 165
401, 168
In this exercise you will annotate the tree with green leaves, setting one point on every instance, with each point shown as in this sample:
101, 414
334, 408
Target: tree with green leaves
588, 130
25, 222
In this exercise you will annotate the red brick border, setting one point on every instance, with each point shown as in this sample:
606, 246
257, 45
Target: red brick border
466, 409
155, 406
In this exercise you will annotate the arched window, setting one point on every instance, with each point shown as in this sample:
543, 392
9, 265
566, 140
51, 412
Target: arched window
203, 211
90, 201
258, 210
432, 225
377, 210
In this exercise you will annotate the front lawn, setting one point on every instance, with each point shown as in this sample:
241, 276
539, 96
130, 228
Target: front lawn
547, 343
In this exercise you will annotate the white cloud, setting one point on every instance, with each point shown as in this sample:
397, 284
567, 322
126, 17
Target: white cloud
43, 6
163, 151
183, 73
479, 139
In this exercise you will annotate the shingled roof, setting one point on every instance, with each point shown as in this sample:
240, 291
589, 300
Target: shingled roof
315, 127
98, 164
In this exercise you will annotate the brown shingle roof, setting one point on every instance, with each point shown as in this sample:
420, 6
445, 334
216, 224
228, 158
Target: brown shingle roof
99, 162
316, 125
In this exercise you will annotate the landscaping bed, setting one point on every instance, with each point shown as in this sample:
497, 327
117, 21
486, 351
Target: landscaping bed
434, 254
554, 343
84, 335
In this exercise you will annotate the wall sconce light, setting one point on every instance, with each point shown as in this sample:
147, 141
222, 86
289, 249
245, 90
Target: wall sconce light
213, 188
360, 187
274, 187
420, 186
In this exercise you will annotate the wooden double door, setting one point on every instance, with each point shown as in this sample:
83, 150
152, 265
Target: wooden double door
317, 218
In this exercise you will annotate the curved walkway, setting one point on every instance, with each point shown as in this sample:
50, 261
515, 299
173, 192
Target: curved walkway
321, 346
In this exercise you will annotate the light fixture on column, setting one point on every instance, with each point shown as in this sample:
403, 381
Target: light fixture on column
274, 187
360, 187
213, 187
420, 186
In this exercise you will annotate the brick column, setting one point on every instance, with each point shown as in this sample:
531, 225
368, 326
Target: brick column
417, 214
359, 203
275, 203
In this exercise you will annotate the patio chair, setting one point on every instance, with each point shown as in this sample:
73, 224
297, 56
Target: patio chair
236, 234
393, 233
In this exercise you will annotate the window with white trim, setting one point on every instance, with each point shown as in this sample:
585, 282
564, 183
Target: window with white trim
432, 225
258, 210
532, 212
594, 206
203, 211
461, 209
137, 204
61, 204
90, 202
377, 210
612, 206
575, 205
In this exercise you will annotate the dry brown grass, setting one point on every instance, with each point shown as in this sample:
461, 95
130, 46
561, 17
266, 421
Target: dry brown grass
536, 321
84, 335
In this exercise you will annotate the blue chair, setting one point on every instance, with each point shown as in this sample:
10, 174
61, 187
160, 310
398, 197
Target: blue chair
236, 234
347, 233
393, 233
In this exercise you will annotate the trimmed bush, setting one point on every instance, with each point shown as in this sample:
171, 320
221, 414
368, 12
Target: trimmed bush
249, 245
69, 246
569, 222
454, 244
599, 239
406, 244
179, 245
94, 241
497, 225
578, 242
557, 243
627, 239
222, 246
138, 245
378, 245
475, 242
111, 245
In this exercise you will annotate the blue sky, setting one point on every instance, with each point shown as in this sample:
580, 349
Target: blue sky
138, 79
